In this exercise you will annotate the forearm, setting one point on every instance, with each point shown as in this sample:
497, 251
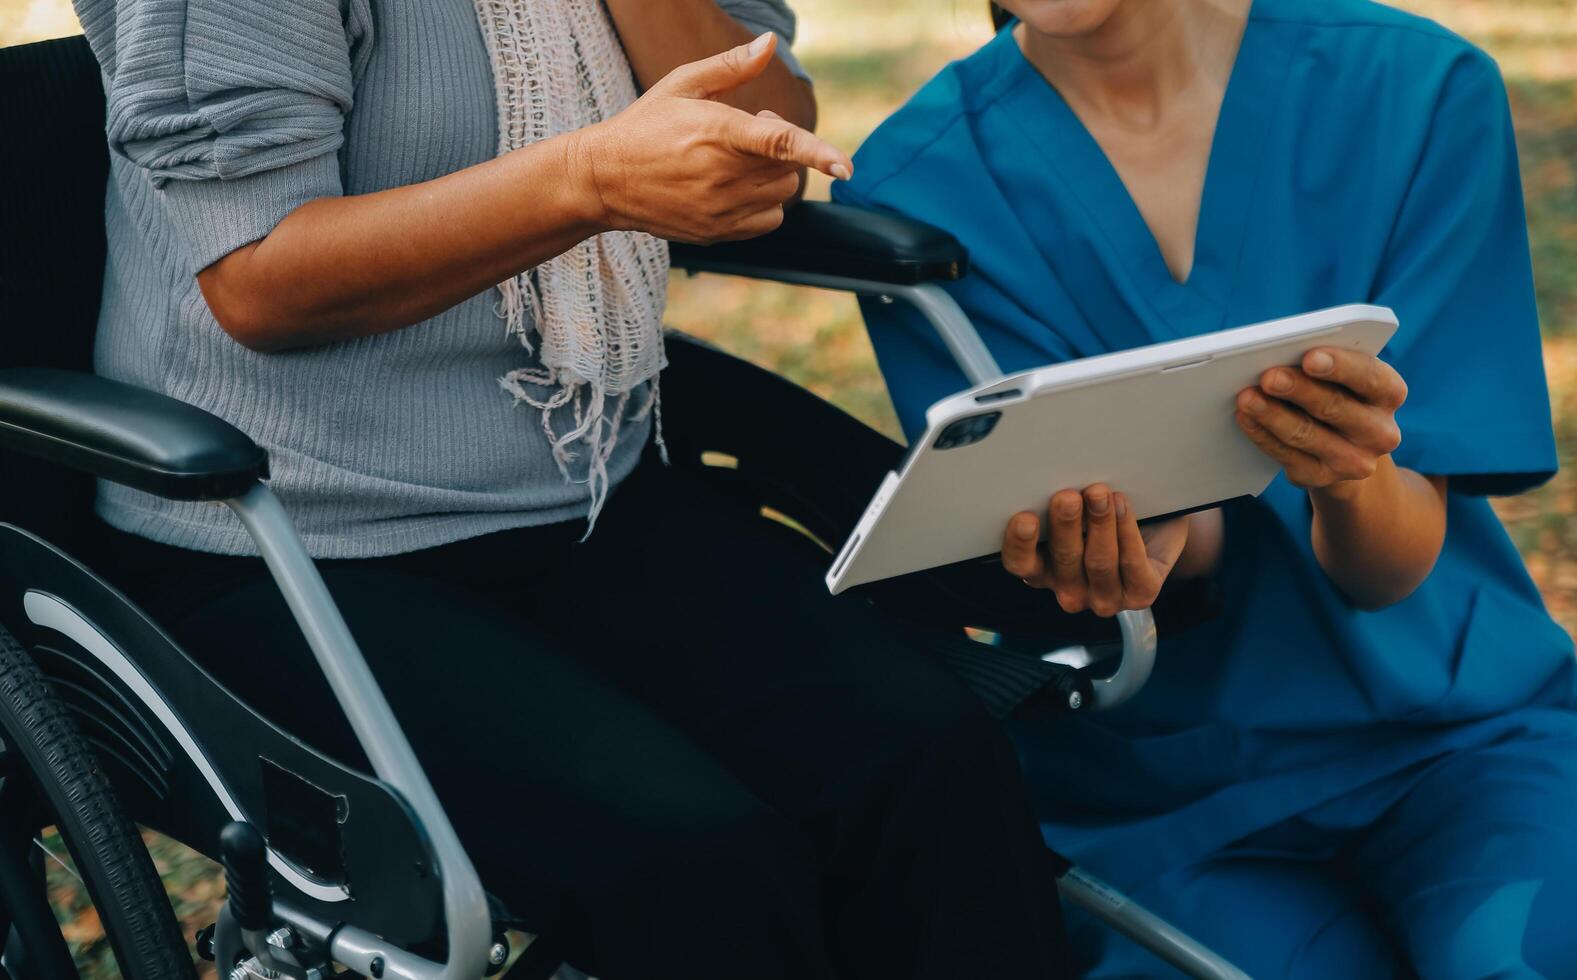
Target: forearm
1379, 538
1202, 554
344, 267
660, 35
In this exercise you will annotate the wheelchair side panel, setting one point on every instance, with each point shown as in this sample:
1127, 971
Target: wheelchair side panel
186, 756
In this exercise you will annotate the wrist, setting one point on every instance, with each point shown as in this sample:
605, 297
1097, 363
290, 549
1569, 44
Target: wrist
1342, 494
584, 179
1349, 494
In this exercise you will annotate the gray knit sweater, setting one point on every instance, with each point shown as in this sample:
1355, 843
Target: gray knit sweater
226, 115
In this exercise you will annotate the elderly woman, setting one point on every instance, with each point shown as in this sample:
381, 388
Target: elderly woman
1367, 765
659, 738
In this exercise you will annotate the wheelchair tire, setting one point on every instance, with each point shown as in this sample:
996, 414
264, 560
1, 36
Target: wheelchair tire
67, 788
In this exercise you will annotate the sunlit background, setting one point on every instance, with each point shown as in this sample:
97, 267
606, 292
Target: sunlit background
867, 56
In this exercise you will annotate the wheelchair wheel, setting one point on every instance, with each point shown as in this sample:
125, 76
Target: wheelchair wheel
48, 777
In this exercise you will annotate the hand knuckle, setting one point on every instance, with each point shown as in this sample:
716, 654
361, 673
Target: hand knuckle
1392, 438
777, 143
1302, 431
1329, 406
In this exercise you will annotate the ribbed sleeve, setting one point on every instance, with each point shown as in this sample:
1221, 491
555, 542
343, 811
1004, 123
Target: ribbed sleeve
215, 217
203, 89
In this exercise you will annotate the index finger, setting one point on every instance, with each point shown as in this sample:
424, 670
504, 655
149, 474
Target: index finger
1365, 375
1021, 554
776, 139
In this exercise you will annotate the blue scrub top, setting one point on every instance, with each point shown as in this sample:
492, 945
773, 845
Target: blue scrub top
1362, 155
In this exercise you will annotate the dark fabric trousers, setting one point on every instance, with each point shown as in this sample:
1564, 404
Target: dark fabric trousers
667, 746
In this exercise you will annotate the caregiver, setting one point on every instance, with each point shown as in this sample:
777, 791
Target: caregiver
1368, 763
658, 737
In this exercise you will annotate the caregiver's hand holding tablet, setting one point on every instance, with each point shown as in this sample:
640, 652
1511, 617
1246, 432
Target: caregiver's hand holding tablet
1096, 558
1331, 424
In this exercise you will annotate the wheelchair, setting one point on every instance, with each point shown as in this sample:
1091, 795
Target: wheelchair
106, 725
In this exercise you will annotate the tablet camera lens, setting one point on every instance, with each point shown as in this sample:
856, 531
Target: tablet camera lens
965, 432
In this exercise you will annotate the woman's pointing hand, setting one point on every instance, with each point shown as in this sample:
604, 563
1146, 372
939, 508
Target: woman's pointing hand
678, 165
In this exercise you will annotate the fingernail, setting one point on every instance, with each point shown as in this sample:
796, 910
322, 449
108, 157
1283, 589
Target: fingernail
1069, 508
1122, 506
1099, 504
1279, 382
760, 44
839, 171
1025, 527
1320, 362
1254, 403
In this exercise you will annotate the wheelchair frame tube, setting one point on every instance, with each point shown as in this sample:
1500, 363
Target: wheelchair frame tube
466, 917
938, 307
1139, 643
1144, 927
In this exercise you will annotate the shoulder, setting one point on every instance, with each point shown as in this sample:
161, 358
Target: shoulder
1402, 69
1372, 31
924, 131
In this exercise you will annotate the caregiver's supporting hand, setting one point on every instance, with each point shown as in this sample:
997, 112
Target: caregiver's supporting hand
676, 164
1331, 424
1096, 557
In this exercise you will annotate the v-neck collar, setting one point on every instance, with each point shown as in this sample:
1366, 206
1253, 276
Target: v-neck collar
1248, 108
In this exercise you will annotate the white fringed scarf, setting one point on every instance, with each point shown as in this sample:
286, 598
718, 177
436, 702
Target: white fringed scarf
596, 310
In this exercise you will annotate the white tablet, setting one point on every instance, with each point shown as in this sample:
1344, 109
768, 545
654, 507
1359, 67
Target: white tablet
1154, 422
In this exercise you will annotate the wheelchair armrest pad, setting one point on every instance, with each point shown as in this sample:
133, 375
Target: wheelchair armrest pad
125, 434
837, 240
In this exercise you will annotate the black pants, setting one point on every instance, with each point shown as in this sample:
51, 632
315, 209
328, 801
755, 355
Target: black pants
668, 745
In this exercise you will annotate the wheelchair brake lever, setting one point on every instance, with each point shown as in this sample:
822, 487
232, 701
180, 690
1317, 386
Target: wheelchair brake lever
246, 943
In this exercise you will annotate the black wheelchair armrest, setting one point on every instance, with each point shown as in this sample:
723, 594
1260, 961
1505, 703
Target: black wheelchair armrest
821, 239
125, 434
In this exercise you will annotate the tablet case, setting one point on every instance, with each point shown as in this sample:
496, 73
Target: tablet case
1154, 422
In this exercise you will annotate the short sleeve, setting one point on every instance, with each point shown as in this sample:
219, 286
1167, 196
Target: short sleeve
234, 111
1457, 271
769, 15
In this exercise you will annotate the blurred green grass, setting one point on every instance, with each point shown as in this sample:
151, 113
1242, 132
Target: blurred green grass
868, 56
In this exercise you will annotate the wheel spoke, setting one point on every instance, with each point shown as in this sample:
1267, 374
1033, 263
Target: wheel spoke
59, 860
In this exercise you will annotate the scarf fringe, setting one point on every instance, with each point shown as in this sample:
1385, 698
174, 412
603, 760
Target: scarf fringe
592, 315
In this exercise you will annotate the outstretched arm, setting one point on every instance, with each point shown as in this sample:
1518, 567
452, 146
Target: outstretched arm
678, 164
